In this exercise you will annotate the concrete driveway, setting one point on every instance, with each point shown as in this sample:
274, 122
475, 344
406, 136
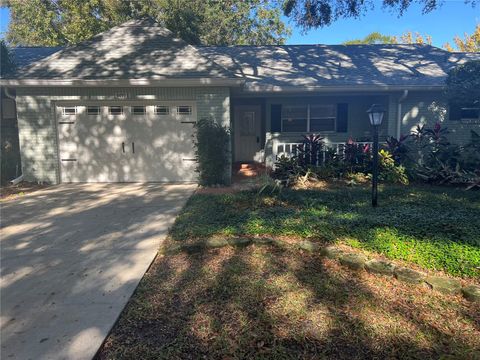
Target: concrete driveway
71, 257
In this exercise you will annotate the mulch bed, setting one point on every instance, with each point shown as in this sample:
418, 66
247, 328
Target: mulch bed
9, 192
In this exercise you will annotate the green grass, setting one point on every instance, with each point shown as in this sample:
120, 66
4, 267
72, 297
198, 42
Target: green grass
434, 227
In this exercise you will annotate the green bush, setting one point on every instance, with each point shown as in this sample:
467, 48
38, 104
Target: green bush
212, 153
287, 170
391, 172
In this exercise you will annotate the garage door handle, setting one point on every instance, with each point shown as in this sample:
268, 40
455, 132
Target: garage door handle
123, 147
133, 147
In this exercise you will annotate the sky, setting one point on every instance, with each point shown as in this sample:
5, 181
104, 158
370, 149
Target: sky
453, 18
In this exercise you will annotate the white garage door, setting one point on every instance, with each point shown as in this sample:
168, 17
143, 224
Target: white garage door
126, 142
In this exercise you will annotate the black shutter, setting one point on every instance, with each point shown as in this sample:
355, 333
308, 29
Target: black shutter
454, 112
342, 117
276, 118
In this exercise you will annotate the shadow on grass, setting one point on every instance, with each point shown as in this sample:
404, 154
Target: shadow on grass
269, 303
434, 227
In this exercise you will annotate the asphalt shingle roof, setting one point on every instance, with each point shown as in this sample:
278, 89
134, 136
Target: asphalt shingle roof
137, 49
27, 55
142, 49
270, 67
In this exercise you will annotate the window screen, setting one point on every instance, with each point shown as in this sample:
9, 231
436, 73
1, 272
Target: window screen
184, 110
294, 118
115, 110
322, 118
93, 110
162, 110
470, 113
138, 110
69, 110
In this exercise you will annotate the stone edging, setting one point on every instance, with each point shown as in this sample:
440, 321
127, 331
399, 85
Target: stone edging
351, 260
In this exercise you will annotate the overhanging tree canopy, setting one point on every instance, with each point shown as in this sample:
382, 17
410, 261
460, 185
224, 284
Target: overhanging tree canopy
210, 22
310, 14
463, 83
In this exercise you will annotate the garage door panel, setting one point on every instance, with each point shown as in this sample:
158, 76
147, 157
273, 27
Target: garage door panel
127, 147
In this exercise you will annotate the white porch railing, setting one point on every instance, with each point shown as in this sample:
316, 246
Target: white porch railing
288, 149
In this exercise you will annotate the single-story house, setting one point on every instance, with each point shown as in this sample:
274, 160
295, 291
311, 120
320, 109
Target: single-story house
121, 107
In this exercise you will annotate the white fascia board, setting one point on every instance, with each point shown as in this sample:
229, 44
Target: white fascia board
122, 82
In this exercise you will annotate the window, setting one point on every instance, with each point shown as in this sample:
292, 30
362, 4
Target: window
184, 110
294, 118
470, 113
322, 117
93, 110
138, 110
162, 110
69, 110
115, 110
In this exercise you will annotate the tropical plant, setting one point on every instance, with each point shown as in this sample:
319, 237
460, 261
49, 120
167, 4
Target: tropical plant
398, 148
356, 156
211, 148
310, 151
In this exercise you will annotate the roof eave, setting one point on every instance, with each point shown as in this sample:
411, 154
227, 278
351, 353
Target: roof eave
168, 82
338, 88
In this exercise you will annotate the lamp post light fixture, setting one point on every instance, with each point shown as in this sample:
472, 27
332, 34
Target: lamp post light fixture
375, 113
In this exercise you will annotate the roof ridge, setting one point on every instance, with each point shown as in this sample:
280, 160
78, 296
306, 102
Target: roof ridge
311, 45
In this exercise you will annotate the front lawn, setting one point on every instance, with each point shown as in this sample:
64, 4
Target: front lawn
434, 227
268, 302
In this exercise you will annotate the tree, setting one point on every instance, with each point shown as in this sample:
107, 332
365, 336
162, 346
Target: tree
7, 64
373, 38
470, 43
406, 38
65, 22
310, 14
463, 83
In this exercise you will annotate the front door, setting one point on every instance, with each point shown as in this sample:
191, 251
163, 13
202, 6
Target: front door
247, 132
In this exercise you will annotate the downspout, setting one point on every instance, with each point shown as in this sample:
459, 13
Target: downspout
399, 112
18, 179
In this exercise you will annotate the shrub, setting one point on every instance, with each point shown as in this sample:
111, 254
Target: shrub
287, 170
211, 150
390, 171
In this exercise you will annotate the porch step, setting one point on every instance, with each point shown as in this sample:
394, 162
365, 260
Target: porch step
248, 170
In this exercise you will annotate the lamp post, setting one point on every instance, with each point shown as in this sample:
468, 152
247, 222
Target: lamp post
375, 113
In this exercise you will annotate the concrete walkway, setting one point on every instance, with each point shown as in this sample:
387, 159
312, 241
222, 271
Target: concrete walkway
71, 257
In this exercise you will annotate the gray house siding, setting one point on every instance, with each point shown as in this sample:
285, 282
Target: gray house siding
427, 108
37, 125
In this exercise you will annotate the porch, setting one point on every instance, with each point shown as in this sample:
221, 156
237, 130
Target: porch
265, 128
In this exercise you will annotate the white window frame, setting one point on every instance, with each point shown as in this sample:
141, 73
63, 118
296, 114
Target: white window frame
94, 107
164, 107
144, 108
190, 110
75, 110
308, 129
115, 106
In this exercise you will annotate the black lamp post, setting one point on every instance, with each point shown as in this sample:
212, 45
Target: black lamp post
375, 114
